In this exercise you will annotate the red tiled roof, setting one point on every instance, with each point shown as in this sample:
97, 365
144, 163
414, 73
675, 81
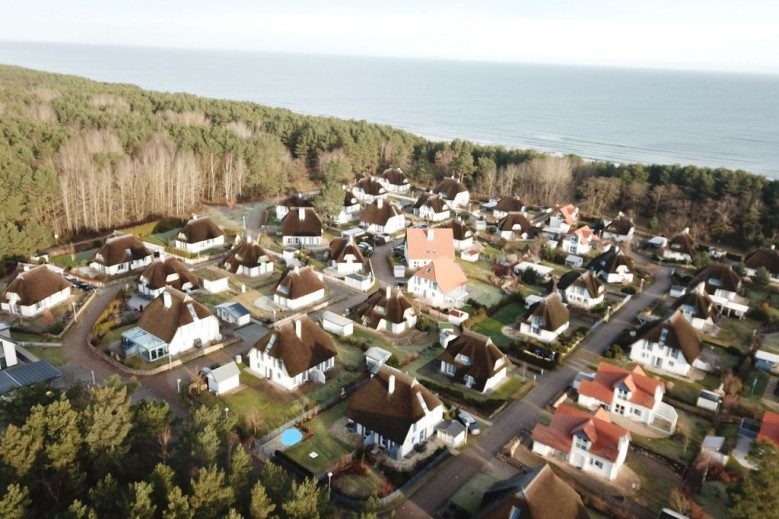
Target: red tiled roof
609, 377
444, 271
603, 435
568, 212
424, 244
769, 429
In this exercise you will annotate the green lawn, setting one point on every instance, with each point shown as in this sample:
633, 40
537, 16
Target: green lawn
734, 332
508, 388
492, 327
73, 260
30, 337
657, 482
327, 447
116, 334
491, 295
358, 486
754, 385
469, 496
673, 446
480, 270
714, 499
273, 413
348, 355
52, 354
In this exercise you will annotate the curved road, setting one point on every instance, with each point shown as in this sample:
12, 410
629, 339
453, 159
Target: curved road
84, 363
435, 491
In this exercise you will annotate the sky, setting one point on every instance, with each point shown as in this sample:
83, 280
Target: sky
726, 35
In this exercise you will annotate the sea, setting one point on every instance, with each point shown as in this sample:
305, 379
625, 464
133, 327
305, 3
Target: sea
622, 115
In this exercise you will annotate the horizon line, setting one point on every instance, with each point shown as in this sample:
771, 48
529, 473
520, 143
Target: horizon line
647, 68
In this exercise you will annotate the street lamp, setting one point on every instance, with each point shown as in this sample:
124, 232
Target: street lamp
227, 411
93, 378
178, 385
329, 488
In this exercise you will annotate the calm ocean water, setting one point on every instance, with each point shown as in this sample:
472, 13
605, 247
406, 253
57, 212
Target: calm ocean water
648, 116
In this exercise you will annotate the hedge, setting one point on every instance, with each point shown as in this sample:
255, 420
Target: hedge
489, 405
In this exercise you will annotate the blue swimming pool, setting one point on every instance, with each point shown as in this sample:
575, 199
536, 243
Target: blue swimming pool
290, 437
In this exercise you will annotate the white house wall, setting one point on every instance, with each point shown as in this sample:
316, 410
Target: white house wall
206, 330
300, 302
655, 357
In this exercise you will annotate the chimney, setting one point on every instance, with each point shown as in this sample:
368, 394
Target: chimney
167, 302
301, 214
391, 388
299, 329
379, 202
686, 230
297, 269
430, 234
389, 291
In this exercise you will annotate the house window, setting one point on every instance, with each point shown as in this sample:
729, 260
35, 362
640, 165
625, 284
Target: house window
581, 443
597, 463
637, 411
622, 394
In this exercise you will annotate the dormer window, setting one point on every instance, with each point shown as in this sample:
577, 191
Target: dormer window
462, 359
622, 393
581, 442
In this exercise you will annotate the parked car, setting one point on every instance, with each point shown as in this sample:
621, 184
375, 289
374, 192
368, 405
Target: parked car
469, 422
366, 248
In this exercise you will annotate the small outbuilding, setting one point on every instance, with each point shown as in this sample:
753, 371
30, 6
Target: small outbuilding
709, 400
376, 357
337, 324
452, 433
574, 261
224, 378
233, 313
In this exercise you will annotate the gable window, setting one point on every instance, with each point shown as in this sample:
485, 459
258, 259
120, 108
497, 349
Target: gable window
596, 463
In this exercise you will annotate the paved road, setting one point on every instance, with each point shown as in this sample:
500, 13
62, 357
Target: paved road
83, 364
448, 479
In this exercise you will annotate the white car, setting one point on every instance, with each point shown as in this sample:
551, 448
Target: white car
470, 422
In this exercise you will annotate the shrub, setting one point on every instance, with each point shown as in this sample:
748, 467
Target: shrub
393, 361
614, 352
759, 314
56, 328
423, 324
628, 290
168, 224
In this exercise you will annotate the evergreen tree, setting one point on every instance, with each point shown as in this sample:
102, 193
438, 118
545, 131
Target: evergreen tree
15, 502
305, 500
210, 497
757, 495
261, 505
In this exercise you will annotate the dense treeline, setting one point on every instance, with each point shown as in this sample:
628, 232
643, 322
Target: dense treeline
91, 452
79, 156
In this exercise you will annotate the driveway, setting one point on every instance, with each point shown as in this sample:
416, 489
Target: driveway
436, 491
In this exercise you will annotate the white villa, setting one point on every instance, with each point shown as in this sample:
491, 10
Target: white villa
172, 323
441, 282
473, 360
722, 284
350, 209
34, 289
198, 235
581, 241
424, 245
454, 192
514, 226
394, 411
619, 229
432, 208
590, 442
294, 352
387, 310
506, 205
394, 181
581, 288
290, 203
299, 288
164, 273
612, 266
345, 256
679, 248
546, 319
670, 344
301, 227
697, 307
368, 189
120, 254
248, 258
382, 216
628, 393
461, 233
764, 257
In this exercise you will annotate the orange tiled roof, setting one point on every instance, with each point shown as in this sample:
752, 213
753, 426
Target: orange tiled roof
444, 271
